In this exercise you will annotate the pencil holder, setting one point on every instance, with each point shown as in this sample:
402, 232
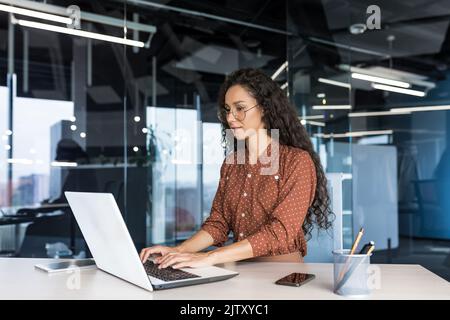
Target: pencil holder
351, 277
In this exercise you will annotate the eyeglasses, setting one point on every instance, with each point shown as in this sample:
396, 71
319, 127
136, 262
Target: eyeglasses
238, 114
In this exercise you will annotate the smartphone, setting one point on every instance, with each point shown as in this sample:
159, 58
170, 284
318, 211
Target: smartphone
295, 279
67, 265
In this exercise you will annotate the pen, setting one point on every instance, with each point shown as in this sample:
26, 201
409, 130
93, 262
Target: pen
366, 247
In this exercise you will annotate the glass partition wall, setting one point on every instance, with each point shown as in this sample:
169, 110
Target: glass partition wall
321, 91
404, 94
388, 63
63, 100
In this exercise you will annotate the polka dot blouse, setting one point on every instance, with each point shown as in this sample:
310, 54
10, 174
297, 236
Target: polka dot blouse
266, 209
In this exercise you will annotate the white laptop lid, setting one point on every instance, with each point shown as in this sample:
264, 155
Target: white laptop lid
107, 236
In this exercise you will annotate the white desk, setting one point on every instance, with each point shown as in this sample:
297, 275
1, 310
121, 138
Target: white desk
20, 280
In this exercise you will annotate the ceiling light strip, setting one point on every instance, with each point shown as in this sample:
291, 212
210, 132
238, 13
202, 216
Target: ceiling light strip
382, 80
35, 14
280, 69
421, 109
80, 33
318, 116
332, 107
376, 113
335, 83
399, 90
354, 134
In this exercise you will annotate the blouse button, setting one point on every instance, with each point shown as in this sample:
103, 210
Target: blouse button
277, 177
249, 175
241, 235
245, 194
243, 215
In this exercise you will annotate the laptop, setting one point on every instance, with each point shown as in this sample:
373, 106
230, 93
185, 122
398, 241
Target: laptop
113, 250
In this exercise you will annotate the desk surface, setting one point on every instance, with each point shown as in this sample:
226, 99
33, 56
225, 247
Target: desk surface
15, 220
20, 280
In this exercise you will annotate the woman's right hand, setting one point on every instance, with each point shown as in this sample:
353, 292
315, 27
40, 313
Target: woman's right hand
157, 250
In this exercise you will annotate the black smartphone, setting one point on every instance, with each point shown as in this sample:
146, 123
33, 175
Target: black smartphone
295, 279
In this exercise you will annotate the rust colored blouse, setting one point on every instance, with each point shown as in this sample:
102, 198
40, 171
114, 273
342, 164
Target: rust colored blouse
266, 209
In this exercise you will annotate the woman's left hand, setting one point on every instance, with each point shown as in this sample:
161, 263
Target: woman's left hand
184, 260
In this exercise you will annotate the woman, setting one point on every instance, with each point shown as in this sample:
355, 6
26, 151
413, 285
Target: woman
271, 215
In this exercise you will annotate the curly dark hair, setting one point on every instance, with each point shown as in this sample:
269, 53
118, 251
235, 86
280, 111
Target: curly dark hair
278, 113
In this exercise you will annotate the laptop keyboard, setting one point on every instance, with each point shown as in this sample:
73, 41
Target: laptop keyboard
167, 274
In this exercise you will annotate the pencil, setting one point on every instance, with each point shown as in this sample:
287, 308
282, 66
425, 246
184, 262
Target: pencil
358, 238
352, 251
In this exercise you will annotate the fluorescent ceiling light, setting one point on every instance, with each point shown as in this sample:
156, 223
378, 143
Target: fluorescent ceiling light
321, 95
80, 33
399, 90
35, 14
420, 109
20, 161
332, 107
376, 113
284, 86
314, 123
63, 164
390, 74
280, 69
335, 83
354, 134
318, 116
391, 82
